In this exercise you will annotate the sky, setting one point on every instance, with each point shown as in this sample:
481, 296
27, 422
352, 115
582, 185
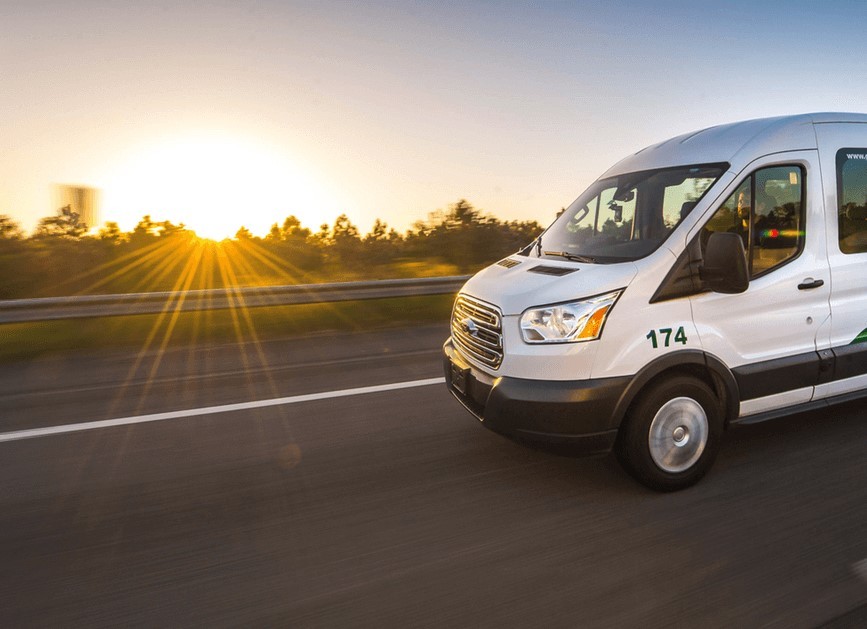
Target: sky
222, 114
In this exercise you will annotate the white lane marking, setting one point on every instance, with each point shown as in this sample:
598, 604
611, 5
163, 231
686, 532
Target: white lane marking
210, 410
860, 568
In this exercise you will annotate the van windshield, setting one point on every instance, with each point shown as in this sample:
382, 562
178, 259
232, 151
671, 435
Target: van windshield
627, 217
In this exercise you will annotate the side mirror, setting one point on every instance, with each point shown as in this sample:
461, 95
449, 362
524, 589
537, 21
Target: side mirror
725, 264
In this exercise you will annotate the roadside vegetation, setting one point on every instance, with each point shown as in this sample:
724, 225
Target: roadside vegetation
63, 257
155, 333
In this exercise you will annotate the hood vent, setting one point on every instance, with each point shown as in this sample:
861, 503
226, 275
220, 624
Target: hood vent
508, 263
551, 270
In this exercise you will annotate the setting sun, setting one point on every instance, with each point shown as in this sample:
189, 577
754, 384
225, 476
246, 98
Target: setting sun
214, 184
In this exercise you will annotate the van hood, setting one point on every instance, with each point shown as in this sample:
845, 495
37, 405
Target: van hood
538, 282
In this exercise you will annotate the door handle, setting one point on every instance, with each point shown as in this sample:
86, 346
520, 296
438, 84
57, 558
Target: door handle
810, 283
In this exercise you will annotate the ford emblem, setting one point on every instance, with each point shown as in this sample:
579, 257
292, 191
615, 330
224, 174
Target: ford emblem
469, 326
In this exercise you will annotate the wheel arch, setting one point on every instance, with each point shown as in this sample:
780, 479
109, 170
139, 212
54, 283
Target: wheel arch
692, 362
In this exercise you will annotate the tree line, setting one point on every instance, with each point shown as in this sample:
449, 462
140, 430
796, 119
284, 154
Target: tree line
63, 257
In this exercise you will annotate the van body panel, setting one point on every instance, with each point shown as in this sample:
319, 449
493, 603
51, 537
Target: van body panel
569, 361
848, 270
737, 143
839, 387
579, 414
525, 286
640, 335
724, 381
775, 401
774, 325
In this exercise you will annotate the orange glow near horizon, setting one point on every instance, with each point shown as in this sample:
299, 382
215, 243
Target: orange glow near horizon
214, 184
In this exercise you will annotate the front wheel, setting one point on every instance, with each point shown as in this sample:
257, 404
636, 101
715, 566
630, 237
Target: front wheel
671, 434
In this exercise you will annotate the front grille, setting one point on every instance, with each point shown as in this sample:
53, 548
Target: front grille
477, 331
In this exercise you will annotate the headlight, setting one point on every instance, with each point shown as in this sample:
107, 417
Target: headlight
568, 323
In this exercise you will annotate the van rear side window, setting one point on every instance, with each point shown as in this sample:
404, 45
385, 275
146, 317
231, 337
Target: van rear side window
852, 199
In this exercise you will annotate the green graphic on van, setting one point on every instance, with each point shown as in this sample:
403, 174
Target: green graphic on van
861, 338
679, 336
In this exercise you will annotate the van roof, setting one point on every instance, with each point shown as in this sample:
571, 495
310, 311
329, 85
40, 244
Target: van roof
737, 143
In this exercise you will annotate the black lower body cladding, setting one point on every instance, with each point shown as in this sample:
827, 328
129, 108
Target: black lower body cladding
578, 414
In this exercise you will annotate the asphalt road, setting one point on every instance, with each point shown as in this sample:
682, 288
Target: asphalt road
396, 508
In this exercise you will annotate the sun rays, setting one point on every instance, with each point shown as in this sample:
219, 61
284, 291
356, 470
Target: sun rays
196, 264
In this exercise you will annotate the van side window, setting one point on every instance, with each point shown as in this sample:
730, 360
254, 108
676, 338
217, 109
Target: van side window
852, 199
767, 212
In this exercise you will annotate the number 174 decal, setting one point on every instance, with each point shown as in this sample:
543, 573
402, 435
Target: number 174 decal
662, 337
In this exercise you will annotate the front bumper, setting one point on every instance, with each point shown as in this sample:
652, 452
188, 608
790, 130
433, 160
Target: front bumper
576, 413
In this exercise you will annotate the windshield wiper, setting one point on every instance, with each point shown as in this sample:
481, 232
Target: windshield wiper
572, 257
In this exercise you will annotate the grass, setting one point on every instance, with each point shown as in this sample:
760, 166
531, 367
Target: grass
26, 341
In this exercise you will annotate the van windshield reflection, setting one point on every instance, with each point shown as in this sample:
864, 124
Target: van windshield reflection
625, 218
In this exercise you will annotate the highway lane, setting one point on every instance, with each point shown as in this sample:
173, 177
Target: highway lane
72, 389
397, 508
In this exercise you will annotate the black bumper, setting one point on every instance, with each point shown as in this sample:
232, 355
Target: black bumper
578, 414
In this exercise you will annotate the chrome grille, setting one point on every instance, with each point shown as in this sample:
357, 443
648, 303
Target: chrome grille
477, 331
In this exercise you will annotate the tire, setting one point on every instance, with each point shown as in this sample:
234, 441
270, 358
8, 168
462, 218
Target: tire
671, 434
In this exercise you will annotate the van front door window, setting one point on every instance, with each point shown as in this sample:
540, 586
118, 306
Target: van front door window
767, 212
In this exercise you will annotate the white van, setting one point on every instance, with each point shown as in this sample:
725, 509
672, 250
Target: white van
715, 278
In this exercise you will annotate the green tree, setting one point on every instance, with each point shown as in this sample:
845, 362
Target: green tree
295, 244
378, 233
345, 241
323, 236
382, 245
244, 234
110, 232
16, 264
292, 228
65, 224
344, 229
10, 229
463, 214
167, 229
145, 231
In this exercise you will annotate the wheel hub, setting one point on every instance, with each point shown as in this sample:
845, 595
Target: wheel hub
678, 434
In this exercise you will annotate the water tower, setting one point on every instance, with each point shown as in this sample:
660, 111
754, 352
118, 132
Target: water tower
82, 200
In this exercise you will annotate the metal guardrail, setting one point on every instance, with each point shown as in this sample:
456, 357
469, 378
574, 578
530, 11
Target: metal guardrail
86, 306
